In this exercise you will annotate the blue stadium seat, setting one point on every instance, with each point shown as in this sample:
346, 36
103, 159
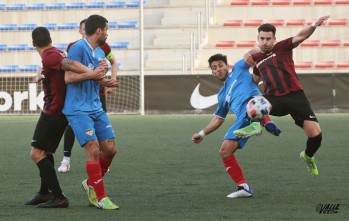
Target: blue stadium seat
56, 6
133, 4
61, 46
39, 6
2, 6
3, 47
50, 26
9, 68
119, 44
16, 7
18, 47
27, 26
76, 5
115, 4
6, 27
95, 5
69, 25
113, 24
28, 68
129, 24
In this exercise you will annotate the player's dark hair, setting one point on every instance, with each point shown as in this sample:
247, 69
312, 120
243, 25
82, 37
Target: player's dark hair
217, 57
82, 22
267, 28
41, 37
93, 23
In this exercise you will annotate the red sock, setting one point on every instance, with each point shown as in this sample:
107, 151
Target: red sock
105, 163
265, 120
234, 169
95, 180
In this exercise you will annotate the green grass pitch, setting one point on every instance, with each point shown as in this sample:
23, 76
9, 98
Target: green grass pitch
160, 174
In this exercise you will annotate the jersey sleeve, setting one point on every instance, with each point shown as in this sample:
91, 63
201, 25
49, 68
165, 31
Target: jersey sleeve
256, 71
285, 45
221, 111
107, 51
75, 52
53, 59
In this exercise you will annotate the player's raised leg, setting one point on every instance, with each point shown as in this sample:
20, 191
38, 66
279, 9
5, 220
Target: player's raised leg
254, 129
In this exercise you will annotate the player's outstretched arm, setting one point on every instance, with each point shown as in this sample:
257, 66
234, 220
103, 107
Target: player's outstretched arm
215, 123
73, 77
248, 56
114, 71
306, 32
110, 83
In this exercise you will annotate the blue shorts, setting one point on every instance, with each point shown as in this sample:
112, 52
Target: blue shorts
91, 126
241, 121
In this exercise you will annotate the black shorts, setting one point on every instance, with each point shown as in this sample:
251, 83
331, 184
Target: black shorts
296, 104
49, 131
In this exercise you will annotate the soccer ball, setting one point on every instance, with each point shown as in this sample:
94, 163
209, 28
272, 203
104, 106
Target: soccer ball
258, 108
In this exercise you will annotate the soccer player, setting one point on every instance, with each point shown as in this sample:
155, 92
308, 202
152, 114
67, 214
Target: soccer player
52, 122
69, 136
274, 65
237, 90
85, 114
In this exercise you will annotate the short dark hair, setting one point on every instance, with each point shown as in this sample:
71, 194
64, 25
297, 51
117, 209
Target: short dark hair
82, 22
93, 23
217, 57
41, 37
267, 28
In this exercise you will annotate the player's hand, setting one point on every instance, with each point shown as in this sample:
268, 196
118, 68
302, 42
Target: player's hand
196, 138
98, 73
110, 89
321, 20
249, 59
103, 63
109, 83
38, 76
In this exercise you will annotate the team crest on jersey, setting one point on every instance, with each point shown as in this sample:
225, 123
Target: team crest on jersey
90, 66
89, 132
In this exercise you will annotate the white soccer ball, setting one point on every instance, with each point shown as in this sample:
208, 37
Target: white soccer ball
258, 108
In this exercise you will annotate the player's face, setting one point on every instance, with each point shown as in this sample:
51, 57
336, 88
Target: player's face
220, 70
266, 41
103, 36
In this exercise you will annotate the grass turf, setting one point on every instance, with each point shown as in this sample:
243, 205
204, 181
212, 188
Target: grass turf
159, 174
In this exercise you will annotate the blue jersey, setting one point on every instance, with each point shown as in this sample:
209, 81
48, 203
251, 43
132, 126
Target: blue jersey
83, 96
237, 88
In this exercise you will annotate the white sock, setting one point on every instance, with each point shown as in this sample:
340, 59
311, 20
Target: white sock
245, 186
66, 159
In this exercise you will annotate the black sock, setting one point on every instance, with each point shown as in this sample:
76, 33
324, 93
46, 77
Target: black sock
51, 159
43, 186
49, 177
69, 138
313, 144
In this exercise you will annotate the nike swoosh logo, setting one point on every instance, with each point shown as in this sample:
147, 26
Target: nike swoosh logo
201, 102
97, 182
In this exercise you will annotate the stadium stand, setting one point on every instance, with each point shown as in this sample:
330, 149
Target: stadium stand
168, 30
239, 2
225, 44
281, 2
311, 43
331, 43
325, 64
260, 2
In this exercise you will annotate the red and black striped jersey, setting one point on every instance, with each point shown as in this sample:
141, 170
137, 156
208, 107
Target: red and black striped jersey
277, 69
53, 82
